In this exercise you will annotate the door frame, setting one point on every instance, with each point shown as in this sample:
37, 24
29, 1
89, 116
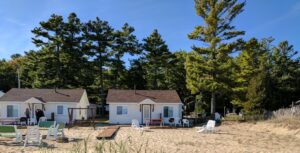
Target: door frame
142, 114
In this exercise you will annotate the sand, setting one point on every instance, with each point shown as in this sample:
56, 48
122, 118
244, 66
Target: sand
230, 137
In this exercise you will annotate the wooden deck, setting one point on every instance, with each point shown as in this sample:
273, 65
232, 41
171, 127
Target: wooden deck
108, 132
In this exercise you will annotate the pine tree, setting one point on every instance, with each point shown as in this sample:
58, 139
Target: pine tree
124, 42
248, 63
8, 75
49, 36
157, 57
136, 75
99, 39
257, 91
175, 75
285, 71
72, 57
207, 68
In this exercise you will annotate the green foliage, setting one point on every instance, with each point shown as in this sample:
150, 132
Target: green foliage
200, 104
7, 75
208, 68
285, 75
251, 64
157, 57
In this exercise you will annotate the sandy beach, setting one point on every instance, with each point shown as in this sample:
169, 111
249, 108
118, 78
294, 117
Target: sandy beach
230, 137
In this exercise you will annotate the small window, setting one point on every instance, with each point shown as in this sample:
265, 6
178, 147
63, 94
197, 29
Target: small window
12, 111
60, 110
168, 111
121, 110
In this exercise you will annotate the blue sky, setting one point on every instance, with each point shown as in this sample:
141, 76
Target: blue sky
173, 18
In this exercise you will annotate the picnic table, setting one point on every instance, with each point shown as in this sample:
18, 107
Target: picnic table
153, 121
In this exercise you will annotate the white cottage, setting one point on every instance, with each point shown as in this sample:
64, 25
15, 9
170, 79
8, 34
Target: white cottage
52, 101
125, 105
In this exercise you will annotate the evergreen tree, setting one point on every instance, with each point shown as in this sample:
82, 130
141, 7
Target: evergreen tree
136, 75
176, 74
157, 56
8, 75
99, 39
248, 63
285, 71
72, 57
124, 42
49, 36
207, 68
257, 92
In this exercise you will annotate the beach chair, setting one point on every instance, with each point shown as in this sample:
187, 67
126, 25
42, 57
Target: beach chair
46, 124
55, 131
177, 121
136, 125
33, 136
185, 122
208, 128
10, 131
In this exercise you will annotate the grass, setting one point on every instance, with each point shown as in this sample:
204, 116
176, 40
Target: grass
105, 146
287, 118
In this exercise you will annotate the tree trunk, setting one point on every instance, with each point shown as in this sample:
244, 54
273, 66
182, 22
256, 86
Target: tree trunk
213, 103
101, 84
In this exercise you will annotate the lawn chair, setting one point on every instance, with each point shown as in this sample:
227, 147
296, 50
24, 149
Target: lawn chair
58, 130
208, 128
136, 125
33, 136
178, 122
10, 131
46, 124
185, 122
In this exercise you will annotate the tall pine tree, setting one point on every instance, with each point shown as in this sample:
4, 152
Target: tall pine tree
207, 66
157, 57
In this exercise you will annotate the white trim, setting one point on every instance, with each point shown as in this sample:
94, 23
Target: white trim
147, 101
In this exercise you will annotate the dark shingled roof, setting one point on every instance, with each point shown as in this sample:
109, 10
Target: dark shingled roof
132, 96
46, 95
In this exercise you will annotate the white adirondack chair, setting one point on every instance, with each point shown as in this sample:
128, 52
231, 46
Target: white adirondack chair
33, 136
208, 128
10, 131
185, 122
136, 125
58, 130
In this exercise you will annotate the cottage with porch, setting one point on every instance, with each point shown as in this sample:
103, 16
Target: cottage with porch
143, 105
53, 102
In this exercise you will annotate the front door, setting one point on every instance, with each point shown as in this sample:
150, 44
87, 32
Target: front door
146, 113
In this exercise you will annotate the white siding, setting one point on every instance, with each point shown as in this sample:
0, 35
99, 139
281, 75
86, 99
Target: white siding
49, 108
134, 112
52, 107
83, 103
